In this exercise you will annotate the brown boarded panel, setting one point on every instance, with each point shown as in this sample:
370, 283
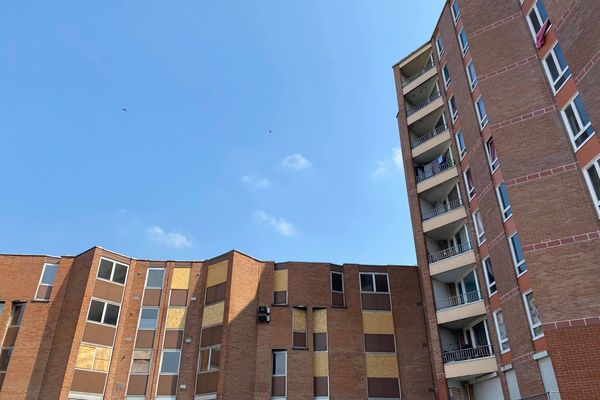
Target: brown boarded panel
173, 339
211, 336
375, 301
178, 297
137, 385
144, 340
44, 292
152, 297
167, 385
379, 343
207, 382
299, 340
280, 297
337, 299
2, 375
11, 336
320, 341
321, 386
215, 293
278, 386
108, 291
383, 387
99, 334
88, 381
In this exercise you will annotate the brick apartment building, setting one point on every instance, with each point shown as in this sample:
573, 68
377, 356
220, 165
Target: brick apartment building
104, 326
497, 118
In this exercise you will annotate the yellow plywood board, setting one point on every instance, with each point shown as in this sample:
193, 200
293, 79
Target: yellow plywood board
320, 321
378, 322
280, 283
382, 366
181, 278
85, 358
213, 314
321, 363
299, 322
175, 318
217, 273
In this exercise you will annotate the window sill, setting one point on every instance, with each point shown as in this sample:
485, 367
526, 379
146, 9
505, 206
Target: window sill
555, 91
40, 301
538, 337
299, 348
280, 305
109, 281
344, 306
520, 274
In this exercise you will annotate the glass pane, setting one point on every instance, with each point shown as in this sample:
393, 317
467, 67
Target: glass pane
112, 314
5, 358
49, 275
533, 18
381, 283
17, 314
533, 311
463, 39
1, 308
105, 269
517, 248
455, 10
366, 283
572, 120
337, 284
489, 271
155, 278
204, 355
96, 309
120, 273
471, 287
504, 197
594, 179
279, 367
148, 318
581, 110
501, 327
542, 11
214, 358
481, 108
170, 362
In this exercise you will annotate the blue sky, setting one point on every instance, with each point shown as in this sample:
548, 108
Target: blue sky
190, 170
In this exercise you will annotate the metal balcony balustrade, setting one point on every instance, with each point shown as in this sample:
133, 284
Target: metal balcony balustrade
449, 252
413, 109
468, 353
429, 135
419, 73
453, 205
544, 396
459, 300
434, 170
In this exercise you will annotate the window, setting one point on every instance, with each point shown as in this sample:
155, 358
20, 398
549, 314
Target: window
471, 75
169, 364
374, 282
478, 227
592, 177
46, 282
455, 11
537, 17
209, 358
155, 278
504, 202
279, 374
104, 313
299, 340
462, 39
453, 109
440, 46
517, 254
501, 331
481, 114
577, 122
535, 323
112, 271
489, 276
148, 318
556, 68
446, 74
96, 358
141, 362
17, 314
337, 288
1, 307
5, 358
460, 142
490, 149
469, 183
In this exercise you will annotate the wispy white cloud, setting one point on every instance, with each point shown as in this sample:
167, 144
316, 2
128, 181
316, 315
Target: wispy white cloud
172, 239
389, 165
282, 226
256, 181
295, 162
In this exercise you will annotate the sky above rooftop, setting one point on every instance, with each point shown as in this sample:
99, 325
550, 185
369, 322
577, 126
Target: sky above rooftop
265, 126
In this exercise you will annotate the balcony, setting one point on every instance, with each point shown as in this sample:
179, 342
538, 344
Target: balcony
469, 362
436, 175
411, 109
434, 170
460, 308
451, 258
433, 142
442, 220
419, 77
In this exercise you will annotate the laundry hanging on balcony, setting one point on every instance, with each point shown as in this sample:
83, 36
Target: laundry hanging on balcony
540, 38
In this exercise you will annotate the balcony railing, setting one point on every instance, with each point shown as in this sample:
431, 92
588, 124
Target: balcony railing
429, 135
449, 252
453, 205
434, 170
413, 109
459, 300
544, 396
468, 353
419, 73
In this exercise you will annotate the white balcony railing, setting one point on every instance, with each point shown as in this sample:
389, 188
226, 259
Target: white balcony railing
429, 135
459, 300
413, 109
434, 170
452, 205
449, 252
419, 73
468, 353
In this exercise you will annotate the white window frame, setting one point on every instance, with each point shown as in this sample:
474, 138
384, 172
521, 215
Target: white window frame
162, 355
471, 192
372, 275
532, 326
455, 16
45, 284
476, 222
105, 302
453, 113
574, 136
148, 275
331, 273
285, 374
504, 208
439, 45
112, 271
487, 277
472, 79
12, 312
464, 47
595, 198
462, 152
449, 80
514, 256
210, 356
494, 164
500, 340
140, 318
566, 70
537, 13
483, 119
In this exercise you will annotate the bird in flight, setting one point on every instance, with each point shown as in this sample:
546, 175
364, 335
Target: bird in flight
270, 131
124, 109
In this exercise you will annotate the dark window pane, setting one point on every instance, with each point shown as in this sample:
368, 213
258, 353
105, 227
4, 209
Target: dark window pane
120, 273
155, 278
5, 358
366, 283
105, 269
17, 314
337, 284
49, 275
96, 309
581, 110
279, 363
595, 179
542, 11
381, 283
517, 248
112, 314
214, 358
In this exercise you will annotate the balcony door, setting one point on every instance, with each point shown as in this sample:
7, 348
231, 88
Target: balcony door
468, 288
477, 336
